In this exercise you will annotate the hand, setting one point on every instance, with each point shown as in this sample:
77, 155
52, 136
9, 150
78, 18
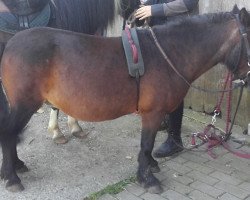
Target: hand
143, 12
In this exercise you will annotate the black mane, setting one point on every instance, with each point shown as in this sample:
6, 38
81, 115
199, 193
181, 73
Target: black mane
203, 19
85, 16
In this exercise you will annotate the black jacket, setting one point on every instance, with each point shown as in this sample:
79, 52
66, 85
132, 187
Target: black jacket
165, 10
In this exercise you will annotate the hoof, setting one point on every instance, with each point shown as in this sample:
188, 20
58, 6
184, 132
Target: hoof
80, 134
60, 140
15, 188
40, 110
22, 169
156, 189
155, 169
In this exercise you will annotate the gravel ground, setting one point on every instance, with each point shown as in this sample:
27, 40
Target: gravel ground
81, 167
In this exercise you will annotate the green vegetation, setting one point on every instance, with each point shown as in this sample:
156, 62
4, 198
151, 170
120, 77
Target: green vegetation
112, 189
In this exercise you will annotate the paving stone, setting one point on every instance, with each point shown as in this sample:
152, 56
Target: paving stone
242, 167
226, 178
179, 177
161, 176
173, 195
125, 195
245, 186
207, 189
231, 189
194, 158
176, 186
197, 195
199, 167
241, 175
179, 160
202, 177
164, 167
227, 196
135, 189
225, 168
224, 160
238, 159
107, 197
195, 175
178, 167
217, 151
148, 196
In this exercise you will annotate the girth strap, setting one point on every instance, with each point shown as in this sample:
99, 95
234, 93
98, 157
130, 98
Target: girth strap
131, 47
134, 57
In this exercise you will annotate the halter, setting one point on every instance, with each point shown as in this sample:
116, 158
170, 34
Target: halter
243, 33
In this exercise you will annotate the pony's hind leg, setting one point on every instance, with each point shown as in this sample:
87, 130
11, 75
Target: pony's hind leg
58, 136
147, 165
8, 169
20, 167
53, 127
12, 125
75, 129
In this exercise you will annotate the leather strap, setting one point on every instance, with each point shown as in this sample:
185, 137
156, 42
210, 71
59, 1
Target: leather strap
132, 50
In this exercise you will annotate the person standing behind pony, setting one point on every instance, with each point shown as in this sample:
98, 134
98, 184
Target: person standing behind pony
160, 12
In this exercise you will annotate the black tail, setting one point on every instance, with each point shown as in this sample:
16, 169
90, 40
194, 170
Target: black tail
4, 111
13, 119
2, 46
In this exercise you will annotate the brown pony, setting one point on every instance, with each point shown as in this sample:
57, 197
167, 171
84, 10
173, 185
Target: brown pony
87, 77
83, 16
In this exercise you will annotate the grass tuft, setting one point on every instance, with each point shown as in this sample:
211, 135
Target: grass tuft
112, 189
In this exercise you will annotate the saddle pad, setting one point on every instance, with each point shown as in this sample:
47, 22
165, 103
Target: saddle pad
133, 68
10, 23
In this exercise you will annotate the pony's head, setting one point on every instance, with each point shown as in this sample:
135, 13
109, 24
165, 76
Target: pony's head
239, 58
25, 7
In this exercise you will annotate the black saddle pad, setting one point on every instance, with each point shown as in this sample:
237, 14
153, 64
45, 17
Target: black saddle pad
11, 23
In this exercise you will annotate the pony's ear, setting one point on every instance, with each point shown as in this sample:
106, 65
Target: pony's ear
235, 10
245, 17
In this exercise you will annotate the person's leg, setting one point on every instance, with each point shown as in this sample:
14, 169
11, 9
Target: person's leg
173, 144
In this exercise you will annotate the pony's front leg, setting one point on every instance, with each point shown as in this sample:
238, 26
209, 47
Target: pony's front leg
10, 163
75, 129
53, 127
147, 165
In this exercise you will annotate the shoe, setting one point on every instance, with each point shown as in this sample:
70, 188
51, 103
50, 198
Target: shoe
170, 147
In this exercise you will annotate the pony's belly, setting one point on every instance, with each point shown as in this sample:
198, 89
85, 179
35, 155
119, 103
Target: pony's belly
94, 107
95, 112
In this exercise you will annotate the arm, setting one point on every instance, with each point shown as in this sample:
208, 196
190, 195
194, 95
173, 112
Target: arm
166, 9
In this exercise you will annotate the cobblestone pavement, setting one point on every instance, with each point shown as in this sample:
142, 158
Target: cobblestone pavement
195, 175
